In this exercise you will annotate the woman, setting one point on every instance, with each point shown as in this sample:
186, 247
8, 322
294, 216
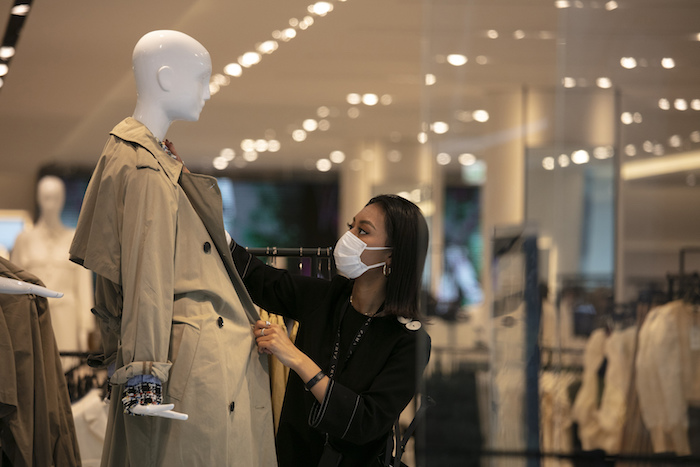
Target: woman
360, 348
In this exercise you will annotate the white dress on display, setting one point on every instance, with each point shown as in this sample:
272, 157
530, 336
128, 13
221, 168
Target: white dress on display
43, 251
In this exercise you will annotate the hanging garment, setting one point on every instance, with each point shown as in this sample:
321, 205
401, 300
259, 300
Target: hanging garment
36, 423
278, 372
508, 367
612, 413
90, 415
660, 381
556, 422
587, 399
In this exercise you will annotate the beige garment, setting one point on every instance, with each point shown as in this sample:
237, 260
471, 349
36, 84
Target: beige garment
660, 381
508, 391
555, 416
601, 423
612, 413
36, 422
172, 307
586, 403
688, 322
278, 372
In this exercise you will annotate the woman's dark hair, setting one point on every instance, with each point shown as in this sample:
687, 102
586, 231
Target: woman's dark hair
407, 233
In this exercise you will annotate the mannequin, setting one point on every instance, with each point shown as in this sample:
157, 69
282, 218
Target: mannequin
43, 251
175, 316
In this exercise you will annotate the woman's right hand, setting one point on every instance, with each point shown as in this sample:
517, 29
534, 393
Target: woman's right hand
272, 339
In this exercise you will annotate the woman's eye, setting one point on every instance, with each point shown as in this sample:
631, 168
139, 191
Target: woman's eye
362, 231
349, 226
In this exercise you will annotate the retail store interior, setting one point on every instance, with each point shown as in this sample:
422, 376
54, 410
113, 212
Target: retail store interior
552, 145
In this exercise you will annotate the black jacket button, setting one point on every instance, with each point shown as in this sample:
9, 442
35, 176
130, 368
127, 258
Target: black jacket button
207, 247
220, 322
231, 406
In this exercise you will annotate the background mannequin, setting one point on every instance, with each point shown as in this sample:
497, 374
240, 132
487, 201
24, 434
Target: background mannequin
175, 316
43, 251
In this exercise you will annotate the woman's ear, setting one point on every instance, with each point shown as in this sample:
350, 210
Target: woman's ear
166, 78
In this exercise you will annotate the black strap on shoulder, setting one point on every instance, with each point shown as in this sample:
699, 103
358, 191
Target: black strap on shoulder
401, 441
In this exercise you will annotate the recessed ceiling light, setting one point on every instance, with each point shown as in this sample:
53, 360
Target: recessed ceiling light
456, 59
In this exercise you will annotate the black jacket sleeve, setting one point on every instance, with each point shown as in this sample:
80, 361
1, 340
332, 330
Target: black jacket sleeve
277, 290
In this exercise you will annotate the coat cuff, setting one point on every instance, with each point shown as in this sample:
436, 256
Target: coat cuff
158, 369
337, 411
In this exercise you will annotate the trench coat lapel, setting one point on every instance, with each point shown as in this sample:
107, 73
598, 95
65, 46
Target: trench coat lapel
205, 197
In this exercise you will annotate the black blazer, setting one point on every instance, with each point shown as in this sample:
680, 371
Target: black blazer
366, 395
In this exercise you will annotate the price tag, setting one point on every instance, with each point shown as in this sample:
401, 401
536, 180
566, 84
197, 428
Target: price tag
695, 337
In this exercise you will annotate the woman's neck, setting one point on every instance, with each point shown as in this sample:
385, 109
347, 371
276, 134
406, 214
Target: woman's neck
368, 296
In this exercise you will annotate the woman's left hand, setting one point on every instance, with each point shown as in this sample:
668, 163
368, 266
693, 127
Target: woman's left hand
273, 339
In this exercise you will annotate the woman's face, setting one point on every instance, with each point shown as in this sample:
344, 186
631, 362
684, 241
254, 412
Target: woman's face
370, 227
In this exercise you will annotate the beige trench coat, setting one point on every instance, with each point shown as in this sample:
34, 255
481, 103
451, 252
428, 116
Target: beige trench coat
173, 306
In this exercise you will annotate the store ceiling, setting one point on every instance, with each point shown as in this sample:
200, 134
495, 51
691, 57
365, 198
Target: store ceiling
70, 81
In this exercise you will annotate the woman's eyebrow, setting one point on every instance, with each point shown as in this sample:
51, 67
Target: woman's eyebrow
368, 223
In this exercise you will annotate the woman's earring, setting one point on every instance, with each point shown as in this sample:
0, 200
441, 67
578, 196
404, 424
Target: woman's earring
386, 270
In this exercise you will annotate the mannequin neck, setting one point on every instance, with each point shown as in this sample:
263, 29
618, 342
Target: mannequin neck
153, 118
50, 222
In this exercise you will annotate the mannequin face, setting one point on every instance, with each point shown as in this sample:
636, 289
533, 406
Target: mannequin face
189, 90
172, 72
51, 195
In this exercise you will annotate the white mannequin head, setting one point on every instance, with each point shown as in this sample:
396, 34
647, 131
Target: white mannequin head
50, 196
172, 72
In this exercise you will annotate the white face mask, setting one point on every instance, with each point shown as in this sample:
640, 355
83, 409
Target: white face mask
347, 256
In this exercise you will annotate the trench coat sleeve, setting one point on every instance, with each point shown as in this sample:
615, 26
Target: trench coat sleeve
276, 290
362, 418
147, 270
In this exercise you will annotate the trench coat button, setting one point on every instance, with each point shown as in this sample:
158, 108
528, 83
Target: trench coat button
207, 247
220, 322
231, 406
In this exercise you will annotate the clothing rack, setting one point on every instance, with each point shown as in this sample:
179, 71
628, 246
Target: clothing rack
314, 253
82, 378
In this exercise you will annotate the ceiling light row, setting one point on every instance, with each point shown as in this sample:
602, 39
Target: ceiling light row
603, 82
631, 63
561, 4
465, 159
679, 104
577, 157
676, 142
253, 57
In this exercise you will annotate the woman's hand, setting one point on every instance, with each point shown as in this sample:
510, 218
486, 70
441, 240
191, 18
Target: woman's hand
273, 340
171, 147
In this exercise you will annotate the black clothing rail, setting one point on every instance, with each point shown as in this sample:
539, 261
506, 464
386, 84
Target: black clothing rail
314, 253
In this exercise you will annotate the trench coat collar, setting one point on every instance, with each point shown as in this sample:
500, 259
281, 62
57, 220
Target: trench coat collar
133, 131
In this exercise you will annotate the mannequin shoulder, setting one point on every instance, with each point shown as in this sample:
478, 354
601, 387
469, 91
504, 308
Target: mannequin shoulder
120, 155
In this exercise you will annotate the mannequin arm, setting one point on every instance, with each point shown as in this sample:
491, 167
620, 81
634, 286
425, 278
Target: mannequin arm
15, 287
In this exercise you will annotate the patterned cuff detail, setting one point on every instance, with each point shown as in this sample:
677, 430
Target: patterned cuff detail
145, 391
